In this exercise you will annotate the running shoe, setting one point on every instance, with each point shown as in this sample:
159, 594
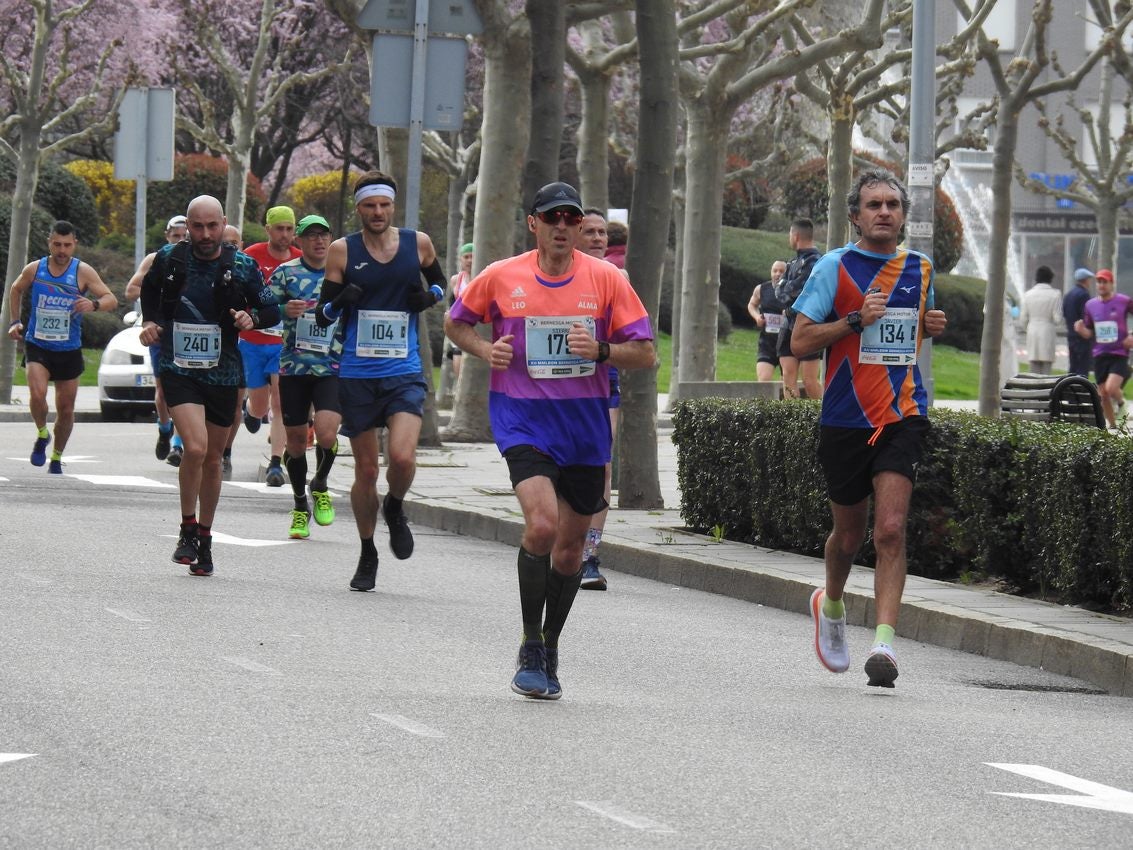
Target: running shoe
39, 451
55, 467
881, 666
175, 454
252, 423
275, 476
161, 450
366, 576
829, 636
226, 468
400, 537
299, 529
530, 678
592, 579
203, 566
324, 510
188, 545
554, 689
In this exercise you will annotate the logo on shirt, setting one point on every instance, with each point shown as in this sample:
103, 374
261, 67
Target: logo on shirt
906, 289
583, 304
518, 292
361, 265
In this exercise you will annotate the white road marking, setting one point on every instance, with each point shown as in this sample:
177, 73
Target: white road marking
122, 480
1096, 795
410, 726
132, 616
261, 487
15, 756
249, 664
624, 817
221, 537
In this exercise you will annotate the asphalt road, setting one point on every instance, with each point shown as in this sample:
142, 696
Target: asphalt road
268, 706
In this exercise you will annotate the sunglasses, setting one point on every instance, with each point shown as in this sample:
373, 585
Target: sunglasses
572, 218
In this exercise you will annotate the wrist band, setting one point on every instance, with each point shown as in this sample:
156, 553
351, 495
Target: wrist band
17, 322
437, 291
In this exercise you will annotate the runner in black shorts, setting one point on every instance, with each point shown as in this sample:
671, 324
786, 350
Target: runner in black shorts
308, 374
195, 298
767, 313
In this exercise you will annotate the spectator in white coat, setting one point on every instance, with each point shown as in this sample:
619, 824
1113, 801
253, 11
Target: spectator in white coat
1042, 313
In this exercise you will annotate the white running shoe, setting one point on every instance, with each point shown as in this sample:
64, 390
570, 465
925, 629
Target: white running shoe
829, 636
881, 666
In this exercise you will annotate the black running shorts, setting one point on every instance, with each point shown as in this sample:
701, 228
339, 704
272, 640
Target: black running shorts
581, 487
849, 462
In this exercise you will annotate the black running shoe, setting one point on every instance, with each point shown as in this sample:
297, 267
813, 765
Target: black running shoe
400, 537
203, 566
187, 545
175, 454
252, 423
366, 576
161, 450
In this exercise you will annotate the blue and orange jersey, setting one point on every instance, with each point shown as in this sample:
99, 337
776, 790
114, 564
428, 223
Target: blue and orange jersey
887, 386
547, 398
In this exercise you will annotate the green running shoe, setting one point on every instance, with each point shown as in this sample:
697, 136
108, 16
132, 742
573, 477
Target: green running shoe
299, 529
324, 510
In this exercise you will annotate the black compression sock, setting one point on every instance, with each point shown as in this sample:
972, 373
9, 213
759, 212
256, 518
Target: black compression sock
369, 550
533, 571
324, 460
561, 591
297, 473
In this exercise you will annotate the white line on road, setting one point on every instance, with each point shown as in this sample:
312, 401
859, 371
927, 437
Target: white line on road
249, 664
30, 578
410, 726
1097, 796
120, 480
125, 614
221, 537
624, 817
15, 756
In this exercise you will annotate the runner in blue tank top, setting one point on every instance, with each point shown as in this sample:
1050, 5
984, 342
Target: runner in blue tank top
373, 289
62, 289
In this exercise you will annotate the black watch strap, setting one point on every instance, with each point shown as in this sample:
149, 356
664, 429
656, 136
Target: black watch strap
603, 352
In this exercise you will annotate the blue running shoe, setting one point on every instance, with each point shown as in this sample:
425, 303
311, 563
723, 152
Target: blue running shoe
592, 579
530, 678
55, 467
554, 689
39, 450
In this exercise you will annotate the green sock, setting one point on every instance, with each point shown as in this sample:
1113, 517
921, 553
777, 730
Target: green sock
835, 609
884, 634
57, 455
43, 433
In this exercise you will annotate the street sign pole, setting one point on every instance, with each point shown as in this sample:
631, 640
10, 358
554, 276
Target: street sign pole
922, 151
416, 114
143, 149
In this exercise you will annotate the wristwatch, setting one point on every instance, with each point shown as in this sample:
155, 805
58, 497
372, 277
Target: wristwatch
603, 352
97, 306
854, 320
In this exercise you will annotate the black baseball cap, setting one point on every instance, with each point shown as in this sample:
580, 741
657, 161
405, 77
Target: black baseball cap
555, 195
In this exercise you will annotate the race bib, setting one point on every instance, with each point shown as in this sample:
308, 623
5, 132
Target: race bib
52, 325
772, 323
196, 346
892, 339
548, 355
382, 333
1106, 332
310, 337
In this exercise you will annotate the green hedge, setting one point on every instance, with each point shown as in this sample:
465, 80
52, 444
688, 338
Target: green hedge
1045, 507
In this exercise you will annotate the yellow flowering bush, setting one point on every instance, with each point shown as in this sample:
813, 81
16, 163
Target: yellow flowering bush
114, 199
322, 194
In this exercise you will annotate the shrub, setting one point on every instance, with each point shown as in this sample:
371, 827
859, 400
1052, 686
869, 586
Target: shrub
114, 200
1039, 514
962, 298
41, 222
200, 174
67, 197
806, 191
324, 194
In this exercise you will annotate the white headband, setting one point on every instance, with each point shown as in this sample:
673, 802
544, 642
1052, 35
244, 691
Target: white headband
373, 189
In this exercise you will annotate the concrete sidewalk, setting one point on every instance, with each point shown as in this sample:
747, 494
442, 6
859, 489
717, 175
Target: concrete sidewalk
464, 488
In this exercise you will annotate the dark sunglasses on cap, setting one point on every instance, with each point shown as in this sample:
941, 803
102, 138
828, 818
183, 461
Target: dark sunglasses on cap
572, 218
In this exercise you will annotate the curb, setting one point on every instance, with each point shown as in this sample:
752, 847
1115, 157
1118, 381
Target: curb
1104, 663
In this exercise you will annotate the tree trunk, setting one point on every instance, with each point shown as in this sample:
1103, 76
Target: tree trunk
839, 167
593, 158
548, 46
1107, 212
236, 192
456, 188
678, 214
507, 107
639, 485
704, 206
27, 177
990, 380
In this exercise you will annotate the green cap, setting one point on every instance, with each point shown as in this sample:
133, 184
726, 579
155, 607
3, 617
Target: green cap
279, 215
309, 221
466, 248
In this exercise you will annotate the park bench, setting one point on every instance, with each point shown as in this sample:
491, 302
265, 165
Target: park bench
1052, 398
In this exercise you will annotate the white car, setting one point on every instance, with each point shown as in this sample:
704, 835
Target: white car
125, 376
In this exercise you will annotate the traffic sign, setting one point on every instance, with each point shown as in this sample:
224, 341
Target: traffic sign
392, 70
455, 17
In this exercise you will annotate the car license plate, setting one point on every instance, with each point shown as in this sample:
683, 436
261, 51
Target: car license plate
144, 380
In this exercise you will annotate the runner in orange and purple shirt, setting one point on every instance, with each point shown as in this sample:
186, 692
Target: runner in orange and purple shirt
560, 319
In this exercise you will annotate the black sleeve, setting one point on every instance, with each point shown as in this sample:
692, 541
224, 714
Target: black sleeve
266, 305
151, 291
327, 293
